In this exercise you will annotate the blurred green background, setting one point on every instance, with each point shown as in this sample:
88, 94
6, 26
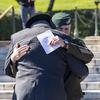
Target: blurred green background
85, 8
41, 5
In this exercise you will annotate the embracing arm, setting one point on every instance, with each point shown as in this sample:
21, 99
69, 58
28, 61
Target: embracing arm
14, 54
8, 63
76, 47
80, 51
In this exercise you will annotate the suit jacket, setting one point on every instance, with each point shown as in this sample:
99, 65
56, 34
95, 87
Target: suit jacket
77, 72
77, 55
31, 70
39, 76
73, 88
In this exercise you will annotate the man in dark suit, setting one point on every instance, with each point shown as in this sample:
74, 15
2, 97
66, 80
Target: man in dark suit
62, 21
39, 76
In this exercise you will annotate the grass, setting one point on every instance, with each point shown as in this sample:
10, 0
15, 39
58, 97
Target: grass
41, 5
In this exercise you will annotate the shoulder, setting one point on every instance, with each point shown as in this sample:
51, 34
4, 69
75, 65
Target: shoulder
79, 41
20, 34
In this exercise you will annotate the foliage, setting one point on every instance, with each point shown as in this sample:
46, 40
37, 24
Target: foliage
6, 28
85, 9
42, 5
84, 30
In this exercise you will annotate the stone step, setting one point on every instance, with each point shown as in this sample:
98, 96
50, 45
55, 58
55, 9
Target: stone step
92, 78
91, 95
94, 62
6, 94
4, 43
93, 66
92, 40
94, 70
94, 48
91, 98
6, 86
96, 54
5, 99
89, 78
6, 90
85, 85
5, 78
90, 85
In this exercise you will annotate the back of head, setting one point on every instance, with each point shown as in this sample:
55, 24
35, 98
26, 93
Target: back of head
39, 17
60, 19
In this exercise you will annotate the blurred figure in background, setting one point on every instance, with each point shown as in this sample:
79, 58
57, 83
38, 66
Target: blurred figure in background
27, 10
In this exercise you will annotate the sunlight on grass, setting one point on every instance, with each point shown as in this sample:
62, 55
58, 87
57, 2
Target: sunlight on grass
4, 4
42, 5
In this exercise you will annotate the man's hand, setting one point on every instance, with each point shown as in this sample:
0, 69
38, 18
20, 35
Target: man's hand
19, 51
57, 40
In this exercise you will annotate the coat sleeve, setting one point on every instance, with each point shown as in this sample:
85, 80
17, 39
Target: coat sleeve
80, 51
76, 47
8, 66
76, 66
